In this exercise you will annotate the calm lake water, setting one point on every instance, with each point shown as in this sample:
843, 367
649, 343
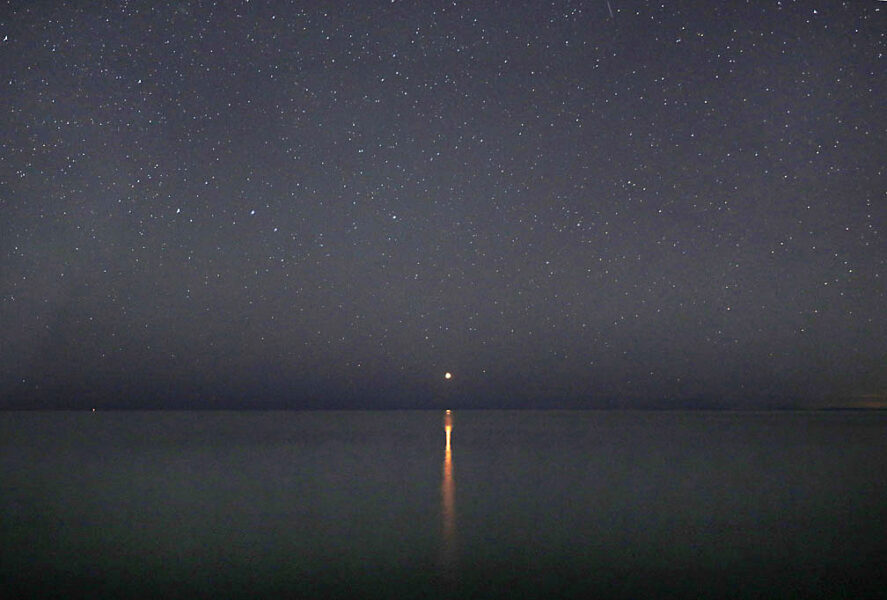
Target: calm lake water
376, 504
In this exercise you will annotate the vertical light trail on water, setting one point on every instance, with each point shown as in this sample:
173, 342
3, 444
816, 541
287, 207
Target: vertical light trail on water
448, 508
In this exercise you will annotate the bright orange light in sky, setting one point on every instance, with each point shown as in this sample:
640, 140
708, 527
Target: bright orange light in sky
448, 375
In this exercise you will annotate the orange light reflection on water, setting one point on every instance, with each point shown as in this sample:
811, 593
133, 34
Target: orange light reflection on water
448, 507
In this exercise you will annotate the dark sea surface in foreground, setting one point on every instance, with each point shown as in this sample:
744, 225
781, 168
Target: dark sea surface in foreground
547, 504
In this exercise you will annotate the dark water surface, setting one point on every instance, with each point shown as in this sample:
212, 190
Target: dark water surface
540, 504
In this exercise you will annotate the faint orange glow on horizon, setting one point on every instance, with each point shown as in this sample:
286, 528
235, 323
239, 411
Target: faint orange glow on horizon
874, 403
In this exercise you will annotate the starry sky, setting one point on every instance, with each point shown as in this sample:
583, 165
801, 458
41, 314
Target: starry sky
331, 204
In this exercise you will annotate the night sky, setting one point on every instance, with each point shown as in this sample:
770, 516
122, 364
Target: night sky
331, 204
